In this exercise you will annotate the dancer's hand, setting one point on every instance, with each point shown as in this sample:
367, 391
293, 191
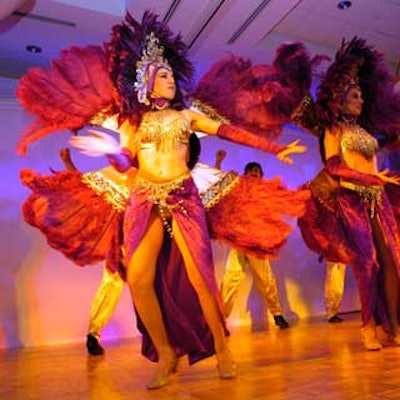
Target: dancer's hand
291, 148
220, 155
387, 178
96, 144
65, 154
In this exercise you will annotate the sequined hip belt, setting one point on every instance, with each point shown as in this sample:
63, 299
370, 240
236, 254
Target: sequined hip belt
371, 194
158, 192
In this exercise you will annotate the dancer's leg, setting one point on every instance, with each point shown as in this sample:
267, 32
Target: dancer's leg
209, 306
105, 301
103, 306
265, 281
140, 278
391, 279
233, 276
334, 288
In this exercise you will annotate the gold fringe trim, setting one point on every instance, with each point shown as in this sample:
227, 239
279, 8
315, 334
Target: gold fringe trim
99, 118
158, 192
220, 189
209, 111
301, 107
115, 195
356, 138
370, 194
324, 187
163, 130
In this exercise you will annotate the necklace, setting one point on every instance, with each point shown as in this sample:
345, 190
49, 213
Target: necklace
159, 103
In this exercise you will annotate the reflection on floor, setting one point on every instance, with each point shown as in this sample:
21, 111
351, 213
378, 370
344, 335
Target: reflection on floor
311, 360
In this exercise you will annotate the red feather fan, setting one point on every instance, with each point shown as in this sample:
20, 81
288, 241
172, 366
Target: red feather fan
67, 95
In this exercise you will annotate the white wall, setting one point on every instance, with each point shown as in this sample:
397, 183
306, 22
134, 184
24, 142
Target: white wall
45, 299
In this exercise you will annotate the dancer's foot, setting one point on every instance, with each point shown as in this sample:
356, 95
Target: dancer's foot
372, 345
395, 340
93, 345
369, 338
335, 319
281, 322
394, 337
164, 370
226, 366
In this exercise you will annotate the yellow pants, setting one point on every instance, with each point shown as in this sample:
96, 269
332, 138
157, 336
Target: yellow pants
105, 301
334, 287
263, 277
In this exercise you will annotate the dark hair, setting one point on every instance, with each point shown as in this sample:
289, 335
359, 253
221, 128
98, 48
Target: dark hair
251, 165
322, 151
194, 150
356, 62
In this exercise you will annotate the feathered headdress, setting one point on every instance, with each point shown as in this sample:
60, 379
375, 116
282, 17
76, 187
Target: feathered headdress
261, 97
133, 49
86, 85
357, 63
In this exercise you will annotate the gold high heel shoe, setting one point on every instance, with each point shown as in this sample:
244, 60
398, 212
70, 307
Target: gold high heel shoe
160, 378
225, 365
228, 371
368, 337
394, 339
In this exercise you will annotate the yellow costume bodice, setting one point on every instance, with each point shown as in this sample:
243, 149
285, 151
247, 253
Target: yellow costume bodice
357, 139
163, 130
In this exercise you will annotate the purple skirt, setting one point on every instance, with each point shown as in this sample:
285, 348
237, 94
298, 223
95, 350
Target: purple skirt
339, 225
185, 323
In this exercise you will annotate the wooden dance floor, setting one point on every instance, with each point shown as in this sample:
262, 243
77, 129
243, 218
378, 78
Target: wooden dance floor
311, 360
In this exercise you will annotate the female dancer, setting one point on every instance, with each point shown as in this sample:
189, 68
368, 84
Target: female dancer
165, 197
178, 305
349, 219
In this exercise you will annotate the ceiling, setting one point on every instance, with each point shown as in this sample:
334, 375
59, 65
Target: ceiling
251, 28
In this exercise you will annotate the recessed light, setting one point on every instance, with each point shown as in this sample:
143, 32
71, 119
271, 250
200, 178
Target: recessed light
33, 48
344, 5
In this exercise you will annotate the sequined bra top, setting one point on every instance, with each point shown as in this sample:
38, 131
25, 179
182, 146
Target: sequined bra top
357, 139
162, 130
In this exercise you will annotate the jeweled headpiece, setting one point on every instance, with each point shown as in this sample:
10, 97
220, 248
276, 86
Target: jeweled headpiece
152, 59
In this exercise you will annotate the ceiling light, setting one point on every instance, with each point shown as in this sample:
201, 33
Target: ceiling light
33, 48
344, 5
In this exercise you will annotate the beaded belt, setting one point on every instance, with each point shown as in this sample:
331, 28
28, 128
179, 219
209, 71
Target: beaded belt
370, 194
158, 193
